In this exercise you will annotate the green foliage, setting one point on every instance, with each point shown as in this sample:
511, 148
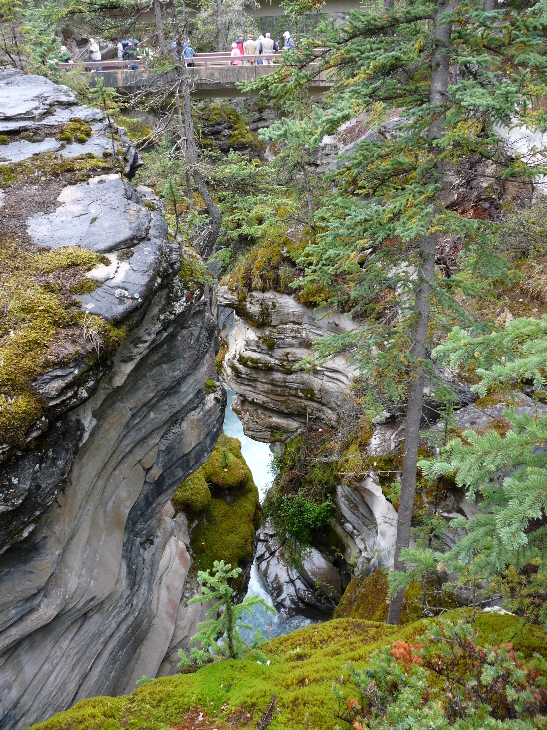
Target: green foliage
446, 679
385, 195
303, 667
220, 637
508, 471
295, 517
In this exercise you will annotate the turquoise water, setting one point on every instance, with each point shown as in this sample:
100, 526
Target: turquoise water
258, 457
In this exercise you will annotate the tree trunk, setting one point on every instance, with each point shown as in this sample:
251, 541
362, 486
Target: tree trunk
490, 5
159, 26
182, 132
221, 27
214, 213
440, 64
389, 4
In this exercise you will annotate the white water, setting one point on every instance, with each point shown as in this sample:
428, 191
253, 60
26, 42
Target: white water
258, 457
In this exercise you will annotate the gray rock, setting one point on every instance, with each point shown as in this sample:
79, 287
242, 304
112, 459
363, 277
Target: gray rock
93, 566
29, 97
102, 571
22, 150
312, 590
101, 215
126, 283
271, 333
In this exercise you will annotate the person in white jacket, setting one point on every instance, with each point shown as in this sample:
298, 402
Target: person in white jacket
267, 47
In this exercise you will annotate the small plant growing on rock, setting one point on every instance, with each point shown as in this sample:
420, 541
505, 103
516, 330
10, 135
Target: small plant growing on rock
220, 637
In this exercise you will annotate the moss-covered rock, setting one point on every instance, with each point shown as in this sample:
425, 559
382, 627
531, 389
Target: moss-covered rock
38, 311
303, 667
229, 517
226, 467
193, 496
368, 599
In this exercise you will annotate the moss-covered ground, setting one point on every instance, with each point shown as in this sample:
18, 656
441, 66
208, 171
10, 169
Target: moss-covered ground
303, 667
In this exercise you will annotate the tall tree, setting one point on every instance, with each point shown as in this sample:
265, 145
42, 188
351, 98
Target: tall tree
375, 251
440, 63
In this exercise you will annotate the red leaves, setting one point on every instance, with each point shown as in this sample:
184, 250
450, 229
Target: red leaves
404, 652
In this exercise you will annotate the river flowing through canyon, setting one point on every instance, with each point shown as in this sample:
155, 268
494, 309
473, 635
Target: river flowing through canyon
258, 457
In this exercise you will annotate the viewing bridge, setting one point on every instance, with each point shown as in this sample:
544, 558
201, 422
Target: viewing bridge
213, 74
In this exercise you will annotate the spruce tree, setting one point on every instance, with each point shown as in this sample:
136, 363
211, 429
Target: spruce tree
438, 84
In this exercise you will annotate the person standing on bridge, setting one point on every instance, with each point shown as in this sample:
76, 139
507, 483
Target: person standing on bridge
188, 53
249, 49
259, 49
94, 52
119, 47
267, 48
289, 43
239, 43
235, 52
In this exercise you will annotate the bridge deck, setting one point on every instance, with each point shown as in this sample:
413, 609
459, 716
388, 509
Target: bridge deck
212, 74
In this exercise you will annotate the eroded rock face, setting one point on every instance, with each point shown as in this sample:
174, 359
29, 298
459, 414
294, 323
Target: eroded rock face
92, 564
312, 590
270, 334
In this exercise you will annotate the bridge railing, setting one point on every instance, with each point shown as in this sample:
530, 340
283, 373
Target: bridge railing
204, 60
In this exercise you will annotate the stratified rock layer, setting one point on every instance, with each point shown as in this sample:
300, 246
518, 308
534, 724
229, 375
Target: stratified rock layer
270, 334
92, 564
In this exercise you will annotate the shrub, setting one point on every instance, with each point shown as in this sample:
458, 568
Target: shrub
446, 679
296, 517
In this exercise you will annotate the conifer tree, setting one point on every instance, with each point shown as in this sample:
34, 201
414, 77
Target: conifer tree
508, 471
438, 84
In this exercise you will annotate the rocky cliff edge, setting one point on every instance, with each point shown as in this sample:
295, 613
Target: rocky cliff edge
103, 407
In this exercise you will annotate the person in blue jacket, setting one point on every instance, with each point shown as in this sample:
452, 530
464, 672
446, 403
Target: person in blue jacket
188, 53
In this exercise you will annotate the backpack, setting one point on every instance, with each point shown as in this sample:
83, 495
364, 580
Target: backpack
130, 53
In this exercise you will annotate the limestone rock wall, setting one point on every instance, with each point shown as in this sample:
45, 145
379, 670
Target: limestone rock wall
269, 334
92, 563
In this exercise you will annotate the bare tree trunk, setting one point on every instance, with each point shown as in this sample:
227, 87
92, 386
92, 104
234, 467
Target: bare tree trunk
159, 26
201, 185
308, 193
440, 64
221, 27
182, 132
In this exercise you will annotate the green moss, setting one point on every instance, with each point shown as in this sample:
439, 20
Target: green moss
77, 130
37, 312
193, 496
211, 386
85, 286
368, 599
240, 136
227, 531
4, 139
229, 518
226, 467
303, 667
71, 170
